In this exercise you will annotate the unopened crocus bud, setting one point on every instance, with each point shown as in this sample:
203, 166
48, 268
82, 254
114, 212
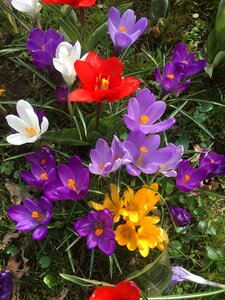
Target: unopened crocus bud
180, 216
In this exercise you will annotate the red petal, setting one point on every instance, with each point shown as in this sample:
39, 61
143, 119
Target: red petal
94, 60
86, 74
128, 86
74, 3
112, 68
81, 95
127, 290
103, 293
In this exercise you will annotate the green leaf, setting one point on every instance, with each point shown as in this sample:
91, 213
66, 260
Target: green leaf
189, 296
215, 254
67, 136
83, 281
211, 46
220, 26
155, 277
159, 9
44, 262
50, 281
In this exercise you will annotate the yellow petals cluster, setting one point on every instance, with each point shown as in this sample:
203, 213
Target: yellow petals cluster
140, 229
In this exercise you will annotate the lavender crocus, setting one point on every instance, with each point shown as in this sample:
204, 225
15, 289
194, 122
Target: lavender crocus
171, 80
124, 31
168, 168
42, 46
213, 163
180, 216
190, 66
32, 215
6, 285
144, 154
97, 227
144, 111
72, 183
189, 178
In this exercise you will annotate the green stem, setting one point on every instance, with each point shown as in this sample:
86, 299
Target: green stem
98, 114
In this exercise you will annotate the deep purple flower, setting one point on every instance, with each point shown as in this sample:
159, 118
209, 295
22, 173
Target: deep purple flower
188, 178
6, 285
42, 46
43, 157
103, 160
124, 31
144, 153
32, 215
62, 95
97, 226
144, 111
168, 168
171, 80
72, 183
187, 60
180, 216
40, 114
213, 163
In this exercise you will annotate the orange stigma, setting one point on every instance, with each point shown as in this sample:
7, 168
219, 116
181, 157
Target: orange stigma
31, 131
102, 166
212, 161
185, 62
99, 231
170, 76
71, 184
43, 47
122, 29
143, 150
186, 178
35, 214
143, 119
44, 176
43, 161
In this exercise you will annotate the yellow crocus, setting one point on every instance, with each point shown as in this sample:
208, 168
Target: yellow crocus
164, 240
126, 235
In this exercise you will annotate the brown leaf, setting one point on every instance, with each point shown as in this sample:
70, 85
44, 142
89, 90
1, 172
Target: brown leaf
7, 238
16, 195
62, 295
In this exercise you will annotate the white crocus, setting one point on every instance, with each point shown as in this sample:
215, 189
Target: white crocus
64, 60
26, 124
31, 7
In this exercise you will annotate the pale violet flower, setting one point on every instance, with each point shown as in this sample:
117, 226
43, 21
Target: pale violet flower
65, 57
31, 7
26, 124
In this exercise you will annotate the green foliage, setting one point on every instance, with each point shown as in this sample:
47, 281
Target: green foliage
159, 9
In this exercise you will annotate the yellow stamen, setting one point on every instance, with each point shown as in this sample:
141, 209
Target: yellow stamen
122, 29
185, 62
102, 166
144, 119
35, 214
143, 150
44, 176
71, 184
43, 161
212, 161
99, 231
105, 84
31, 131
170, 76
186, 178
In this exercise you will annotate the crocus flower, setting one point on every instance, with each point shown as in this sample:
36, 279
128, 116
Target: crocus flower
62, 95
103, 161
180, 274
125, 290
171, 80
168, 168
119, 155
43, 157
32, 215
144, 153
42, 46
213, 163
65, 57
124, 31
6, 285
27, 124
188, 178
73, 3
187, 60
97, 226
102, 80
31, 7
180, 216
144, 111
72, 183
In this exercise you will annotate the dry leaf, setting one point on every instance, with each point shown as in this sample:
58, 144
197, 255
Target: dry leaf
61, 296
16, 196
7, 238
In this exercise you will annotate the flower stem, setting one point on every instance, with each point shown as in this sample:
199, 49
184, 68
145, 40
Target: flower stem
98, 114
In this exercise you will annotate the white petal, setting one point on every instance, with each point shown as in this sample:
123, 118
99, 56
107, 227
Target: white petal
59, 66
27, 114
16, 123
84, 57
76, 51
17, 139
63, 50
44, 125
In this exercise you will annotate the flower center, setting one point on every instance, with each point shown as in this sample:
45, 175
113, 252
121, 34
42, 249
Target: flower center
185, 62
116, 157
31, 131
71, 184
105, 84
102, 83
122, 29
44, 176
102, 166
43, 47
63, 98
170, 76
43, 161
186, 178
35, 214
212, 161
98, 228
143, 150
143, 119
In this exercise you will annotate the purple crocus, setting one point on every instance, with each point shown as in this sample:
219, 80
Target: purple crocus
124, 31
144, 154
169, 168
6, 285
213, 163
190, 66
171, 80
72, 184
144, 111
188, 178
103, 160
43, 157
97, 227
42, 46
32, 215
180, 216
62, 95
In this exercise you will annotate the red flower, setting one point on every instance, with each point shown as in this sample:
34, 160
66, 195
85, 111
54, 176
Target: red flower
74, 3
125, 290
102, 80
